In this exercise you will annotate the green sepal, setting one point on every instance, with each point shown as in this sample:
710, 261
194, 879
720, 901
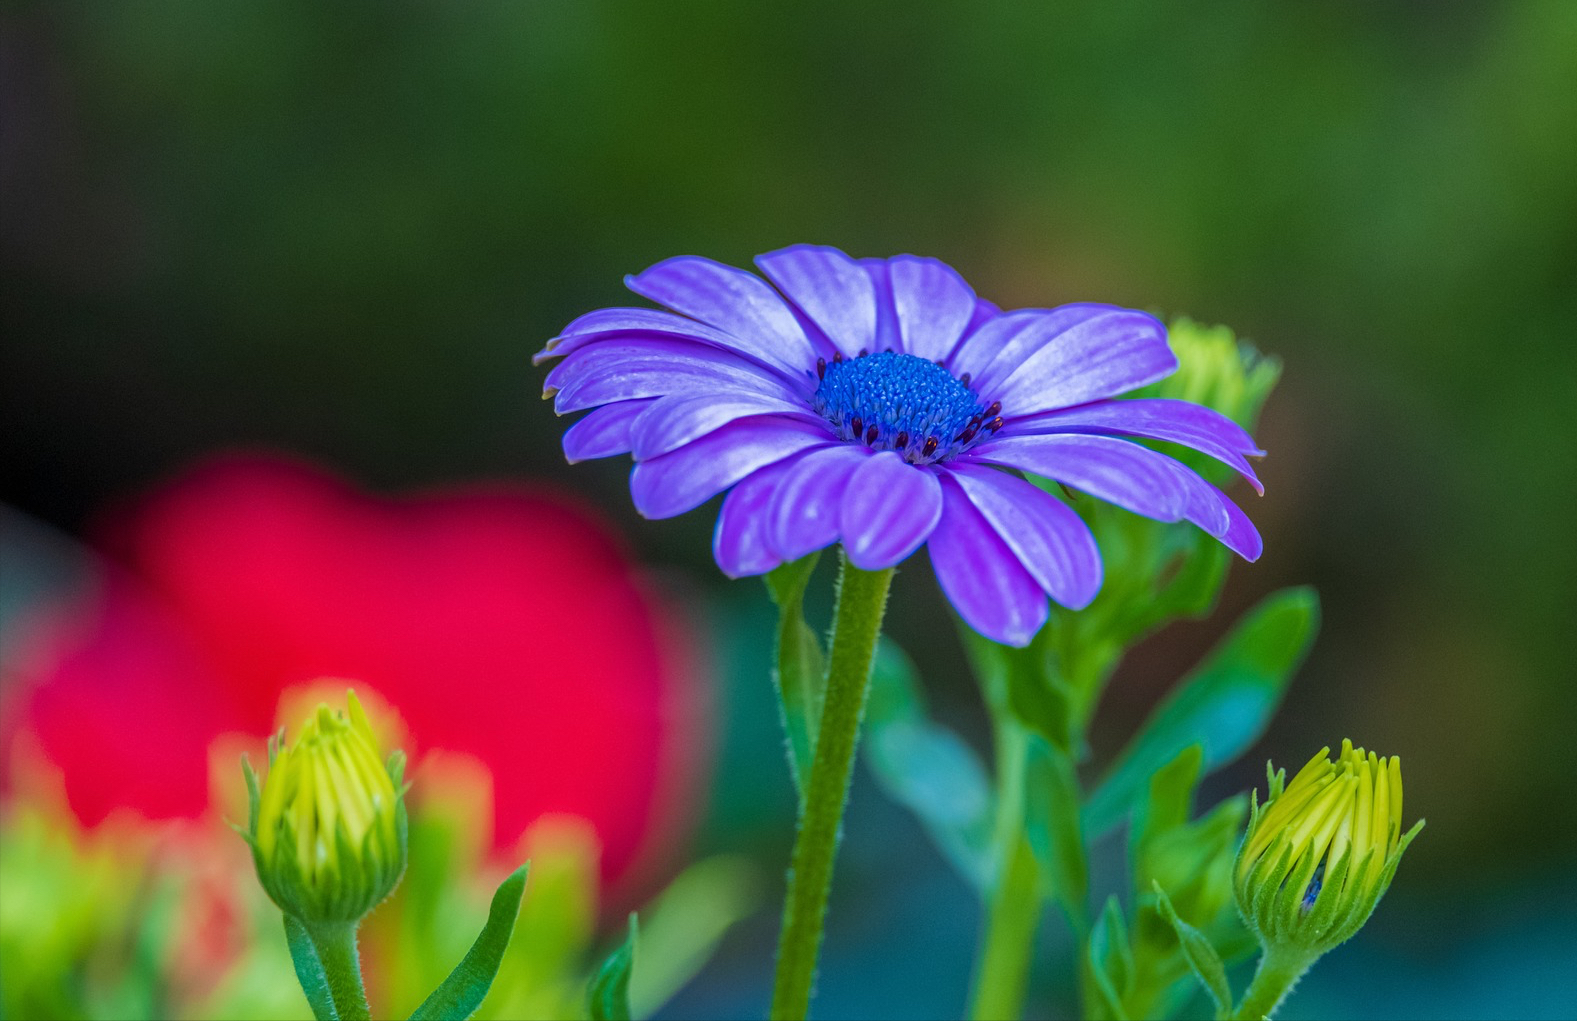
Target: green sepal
1110, 959
1223, 704
1051, 823
609, 995
800, 673
309, 970
926, 767
1199, 953
459, 995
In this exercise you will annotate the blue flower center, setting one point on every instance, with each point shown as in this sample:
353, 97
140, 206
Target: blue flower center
891, 401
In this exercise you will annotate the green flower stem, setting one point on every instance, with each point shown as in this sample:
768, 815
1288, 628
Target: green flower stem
862, 601
1279, 970
335, 943
1013, 907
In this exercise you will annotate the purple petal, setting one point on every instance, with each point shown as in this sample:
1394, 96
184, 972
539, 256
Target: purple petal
888, 510
1133, 477
606, 323
738, 303
739, 543
981, 576
1101, 356
626, 370
1118, 471
998, 346
887, 334
805, 511
1193, 425
831, 289
604, 432
1049, 539
686, 478
985, 311
678, 419
1207, 506
933, 304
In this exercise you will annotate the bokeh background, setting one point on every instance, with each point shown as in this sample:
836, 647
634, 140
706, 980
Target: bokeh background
340, 231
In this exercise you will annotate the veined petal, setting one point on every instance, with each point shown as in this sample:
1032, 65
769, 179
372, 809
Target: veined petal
805, 510
632, 369
835, 294
1193, 425
933, 304
604, 432
738, 303
981, 576
1000, 345
1133, 477
1102, 356
680, 418
611, 323
686, 478
740, 543
889, 510
1048, 537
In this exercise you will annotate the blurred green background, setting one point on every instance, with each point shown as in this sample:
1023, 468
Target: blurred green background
342, 230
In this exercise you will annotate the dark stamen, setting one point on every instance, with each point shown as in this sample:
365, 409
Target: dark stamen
870, 436
994, 424
964, 379
837, 358
965, 436
821, 368
996, 406
857, 426
931, 444
903, 439
864, 351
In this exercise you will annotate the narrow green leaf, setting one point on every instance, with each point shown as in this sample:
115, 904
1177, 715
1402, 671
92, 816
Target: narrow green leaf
309, 970
1200, 954
800, 673
461, 993
1111, 959
926, 767
610, 990
1223, 704
1051, 822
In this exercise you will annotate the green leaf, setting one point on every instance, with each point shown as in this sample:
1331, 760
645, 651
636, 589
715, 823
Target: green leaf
1200, 955
610, 990
801, 670
309, 970
1111, 958
1051, 823
926, 767
686, 922
1223, 705
461, 993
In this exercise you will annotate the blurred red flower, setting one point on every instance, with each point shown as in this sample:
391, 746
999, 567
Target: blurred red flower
498, 622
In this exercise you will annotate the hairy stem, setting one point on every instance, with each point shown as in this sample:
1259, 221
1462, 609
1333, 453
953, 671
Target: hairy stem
862, 601
1277, 973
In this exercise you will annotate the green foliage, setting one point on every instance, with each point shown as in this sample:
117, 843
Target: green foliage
1200, 954
609, 995
800, 674
462, 992
1224, 704
927, 767
1051, 822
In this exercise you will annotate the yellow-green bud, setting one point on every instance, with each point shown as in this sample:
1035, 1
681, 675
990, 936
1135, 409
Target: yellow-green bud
328, 828
1321, 851
1216, 370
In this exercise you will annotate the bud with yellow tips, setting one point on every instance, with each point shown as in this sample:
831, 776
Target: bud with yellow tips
1317, 858
328, 828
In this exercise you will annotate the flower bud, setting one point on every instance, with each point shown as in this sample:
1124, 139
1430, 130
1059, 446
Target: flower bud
328, 829
1321, 851
1218, 371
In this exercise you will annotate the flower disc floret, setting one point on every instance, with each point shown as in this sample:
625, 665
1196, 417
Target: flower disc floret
1321, 851
891, 401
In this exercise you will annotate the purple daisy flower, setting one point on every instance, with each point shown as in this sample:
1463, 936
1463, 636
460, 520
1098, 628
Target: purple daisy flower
879, 403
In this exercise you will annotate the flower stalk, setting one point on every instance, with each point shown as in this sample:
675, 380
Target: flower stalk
862, 602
